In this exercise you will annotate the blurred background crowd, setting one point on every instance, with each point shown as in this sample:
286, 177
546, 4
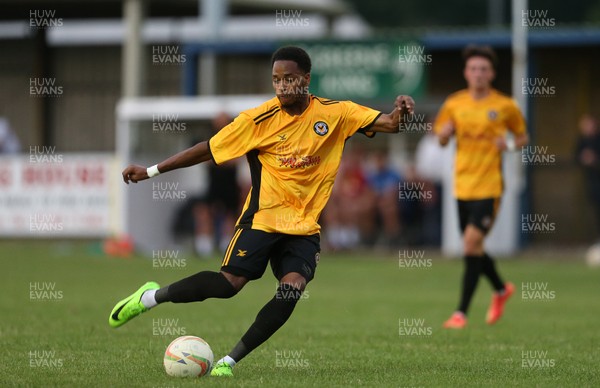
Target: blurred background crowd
99, 84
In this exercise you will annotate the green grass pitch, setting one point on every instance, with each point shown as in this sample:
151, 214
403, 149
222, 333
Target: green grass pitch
365, 321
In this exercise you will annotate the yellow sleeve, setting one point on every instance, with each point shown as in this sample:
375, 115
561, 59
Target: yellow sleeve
515, 120
233, 140
358, 118
443, 116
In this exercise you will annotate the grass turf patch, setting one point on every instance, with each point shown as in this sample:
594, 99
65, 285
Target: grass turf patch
364, 321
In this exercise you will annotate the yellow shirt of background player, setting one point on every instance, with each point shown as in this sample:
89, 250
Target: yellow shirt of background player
478, 162
293, 159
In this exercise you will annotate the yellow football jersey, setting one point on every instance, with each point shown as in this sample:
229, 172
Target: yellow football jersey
293, 159
478, 162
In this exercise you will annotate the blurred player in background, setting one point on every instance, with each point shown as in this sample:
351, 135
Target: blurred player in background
294, 144
431, 161
588, 157
210, 217
214, 217
479, 117
384, 181
348, 217
9, 142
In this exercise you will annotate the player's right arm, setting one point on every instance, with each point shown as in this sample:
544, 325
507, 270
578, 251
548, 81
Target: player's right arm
196, 154
232, 141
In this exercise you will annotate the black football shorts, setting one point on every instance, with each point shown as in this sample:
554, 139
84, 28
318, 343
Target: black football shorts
480, 213
250, 251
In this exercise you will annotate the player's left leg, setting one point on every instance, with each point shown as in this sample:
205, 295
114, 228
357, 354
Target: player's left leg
472, 248
195, 288
294, 265
269, 319
473, 251
486, 212
484, 215
245, 260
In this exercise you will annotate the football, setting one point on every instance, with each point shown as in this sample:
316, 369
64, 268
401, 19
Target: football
188, 356
592, 256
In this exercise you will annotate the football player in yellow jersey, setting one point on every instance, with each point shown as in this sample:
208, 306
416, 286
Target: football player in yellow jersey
479, 117
294, 145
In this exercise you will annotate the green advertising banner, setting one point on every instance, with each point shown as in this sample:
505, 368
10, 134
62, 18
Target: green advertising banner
367, 69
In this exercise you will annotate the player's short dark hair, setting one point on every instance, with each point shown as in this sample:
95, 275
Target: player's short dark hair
480, 51
293, 53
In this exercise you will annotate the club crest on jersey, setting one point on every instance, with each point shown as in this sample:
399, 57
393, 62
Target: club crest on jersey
321, 128
492, 115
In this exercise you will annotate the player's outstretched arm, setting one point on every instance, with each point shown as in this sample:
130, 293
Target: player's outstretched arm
196, 154
390, 122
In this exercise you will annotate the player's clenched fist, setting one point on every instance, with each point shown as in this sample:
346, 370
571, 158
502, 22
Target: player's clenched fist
405, 103
135, 173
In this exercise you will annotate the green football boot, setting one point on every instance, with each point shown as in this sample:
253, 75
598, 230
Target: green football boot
131, 306
222, 369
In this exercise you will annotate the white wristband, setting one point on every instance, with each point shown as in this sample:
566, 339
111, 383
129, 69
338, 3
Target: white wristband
510, 144
152, 171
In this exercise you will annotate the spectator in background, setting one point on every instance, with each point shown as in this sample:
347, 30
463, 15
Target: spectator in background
215, 217
384, 181
412, 194
348, 216
9, 142
212, 217
588, 157
431, 160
